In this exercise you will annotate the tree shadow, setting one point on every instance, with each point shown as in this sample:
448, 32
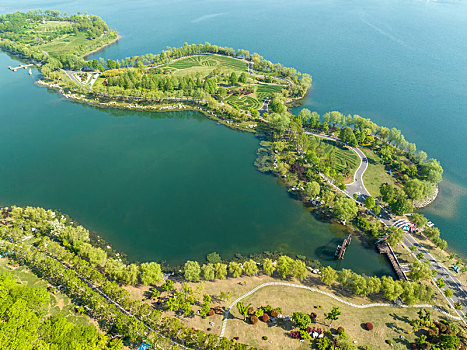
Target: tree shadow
393, 326
400, 318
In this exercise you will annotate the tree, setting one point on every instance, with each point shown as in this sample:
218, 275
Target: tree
328, 275
333, 315
284, 266
419, 220
242, 309
130, 275
395, 235
448, 341
268, 267
391, 289
168, 285
432, 171
221, 271
370, 202
277, 106
250, 268
377, 210
400, 206
418, 189
347, 135
208, 272
312, 189
150, 273
192, 271
448, 293
214, 258
235, 269
420, 271
299, 270
345, 209
243, 78
233, 79
301, 320
440, 283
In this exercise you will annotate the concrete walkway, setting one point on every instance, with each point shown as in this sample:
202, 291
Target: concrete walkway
311, 289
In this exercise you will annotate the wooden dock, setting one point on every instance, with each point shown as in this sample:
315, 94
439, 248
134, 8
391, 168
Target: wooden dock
384, 248
24, 66
340, 251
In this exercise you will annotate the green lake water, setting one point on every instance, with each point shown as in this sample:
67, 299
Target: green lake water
177, 186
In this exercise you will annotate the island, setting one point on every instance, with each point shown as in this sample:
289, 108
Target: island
346, 167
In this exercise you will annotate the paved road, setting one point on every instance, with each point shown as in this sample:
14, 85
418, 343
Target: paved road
357, 185
460, 293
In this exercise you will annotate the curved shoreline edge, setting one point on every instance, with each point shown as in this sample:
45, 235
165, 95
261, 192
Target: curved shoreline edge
103, 46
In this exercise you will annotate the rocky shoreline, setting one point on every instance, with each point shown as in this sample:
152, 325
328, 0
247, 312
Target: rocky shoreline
422, 203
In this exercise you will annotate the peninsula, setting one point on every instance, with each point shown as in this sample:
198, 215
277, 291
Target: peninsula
346, 167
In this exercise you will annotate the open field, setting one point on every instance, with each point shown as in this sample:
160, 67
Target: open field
375, 174
341, 158
65, 44
52, 26
205, 64
389, 322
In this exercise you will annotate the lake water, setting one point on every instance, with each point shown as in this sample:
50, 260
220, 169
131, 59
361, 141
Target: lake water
176, 186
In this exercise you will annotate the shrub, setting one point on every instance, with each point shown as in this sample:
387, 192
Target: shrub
251, 310
265, 337
369, 326
313, 315
254, 319
211, 312
274, 313
265, 317
340, 330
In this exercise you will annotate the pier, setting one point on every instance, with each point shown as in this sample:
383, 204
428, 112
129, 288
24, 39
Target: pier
340, 251
24, 66
384, 248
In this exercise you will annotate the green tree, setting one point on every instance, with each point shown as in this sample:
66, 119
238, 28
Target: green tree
235, 269
420, 271
440, 283
214, 258
242, 309
150, 273
192, 271
168, 285
221, 271
448, 293
333, 315
370, 202
268, 267
243, 78
208, 272
250, 268
419, 220
284, 266
395, 235
233, 79
328, 275
347, 135
312, 189
301, 320
299, 270
345, 209
390, 288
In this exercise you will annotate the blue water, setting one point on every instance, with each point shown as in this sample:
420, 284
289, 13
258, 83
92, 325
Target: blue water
400, 62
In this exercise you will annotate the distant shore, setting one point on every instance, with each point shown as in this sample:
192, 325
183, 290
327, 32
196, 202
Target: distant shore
103, 46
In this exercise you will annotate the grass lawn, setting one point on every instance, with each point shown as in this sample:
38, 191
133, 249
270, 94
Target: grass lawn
375, 174
205, 64
52, 26
389, 322
65, 44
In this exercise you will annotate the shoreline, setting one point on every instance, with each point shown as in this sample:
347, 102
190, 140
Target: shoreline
425, 202
103, 46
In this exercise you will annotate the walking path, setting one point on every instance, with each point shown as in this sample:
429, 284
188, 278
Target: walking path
286, 284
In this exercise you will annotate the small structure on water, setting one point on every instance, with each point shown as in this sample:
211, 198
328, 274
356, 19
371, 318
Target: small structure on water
340, 251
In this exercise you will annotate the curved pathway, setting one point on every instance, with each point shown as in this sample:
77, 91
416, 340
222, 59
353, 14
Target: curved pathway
357, 186
286, 284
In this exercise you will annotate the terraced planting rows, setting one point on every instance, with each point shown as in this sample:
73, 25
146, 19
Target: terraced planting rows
330, 152
244, 102
264, 91
208, 62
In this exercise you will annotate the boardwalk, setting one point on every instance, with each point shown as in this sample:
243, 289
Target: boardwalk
340, 251
24, 66
384, 248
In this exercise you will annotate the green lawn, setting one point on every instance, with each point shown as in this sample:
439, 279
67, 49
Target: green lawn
264, 91
65, 44
375, 174
205, 64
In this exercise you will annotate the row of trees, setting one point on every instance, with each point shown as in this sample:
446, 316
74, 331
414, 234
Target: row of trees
410, 292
